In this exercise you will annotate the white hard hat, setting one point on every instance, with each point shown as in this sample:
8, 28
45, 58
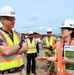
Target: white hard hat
26, 36
7, 11
30, 32
68, 23
0, 24
49, 30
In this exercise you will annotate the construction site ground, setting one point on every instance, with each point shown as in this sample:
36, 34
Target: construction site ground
41, 67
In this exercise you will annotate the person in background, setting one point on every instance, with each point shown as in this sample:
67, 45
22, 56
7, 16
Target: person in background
49, 43
32, 53
67, 31
12, 45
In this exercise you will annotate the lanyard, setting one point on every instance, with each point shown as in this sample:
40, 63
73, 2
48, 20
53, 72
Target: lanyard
64, 45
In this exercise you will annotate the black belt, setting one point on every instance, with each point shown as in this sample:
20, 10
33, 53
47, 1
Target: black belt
13, 70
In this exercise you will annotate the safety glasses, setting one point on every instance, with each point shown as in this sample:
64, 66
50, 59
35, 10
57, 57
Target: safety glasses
10, 18
49, 32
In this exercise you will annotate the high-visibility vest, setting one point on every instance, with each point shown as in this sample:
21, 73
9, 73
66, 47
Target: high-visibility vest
33, 44
48, 43
60, 64
12, 61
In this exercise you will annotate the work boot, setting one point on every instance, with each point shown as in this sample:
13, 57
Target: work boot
34, 72
51, 74
28, 74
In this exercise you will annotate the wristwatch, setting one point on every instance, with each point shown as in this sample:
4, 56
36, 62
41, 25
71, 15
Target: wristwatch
20, 44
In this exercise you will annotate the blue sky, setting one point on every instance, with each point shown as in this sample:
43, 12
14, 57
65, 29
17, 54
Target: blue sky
38, 15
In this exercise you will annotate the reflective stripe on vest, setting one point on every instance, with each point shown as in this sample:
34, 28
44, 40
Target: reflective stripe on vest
7, 62
48, 43
65, 71
60, 64
31, 45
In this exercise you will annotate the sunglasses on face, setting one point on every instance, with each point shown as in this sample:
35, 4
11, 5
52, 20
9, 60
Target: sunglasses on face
10, 18
31, 34
49, 32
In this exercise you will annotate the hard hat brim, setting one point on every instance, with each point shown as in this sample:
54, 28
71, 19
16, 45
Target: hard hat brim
9, 15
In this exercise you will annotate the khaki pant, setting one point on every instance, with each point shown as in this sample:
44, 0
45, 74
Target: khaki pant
17, 73
49, 63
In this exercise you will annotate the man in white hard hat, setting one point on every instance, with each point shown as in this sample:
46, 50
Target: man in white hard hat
49, 43
12, 45
32, 53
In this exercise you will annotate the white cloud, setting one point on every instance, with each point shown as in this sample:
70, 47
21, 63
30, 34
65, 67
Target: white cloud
29, 25
32, 18
41, 28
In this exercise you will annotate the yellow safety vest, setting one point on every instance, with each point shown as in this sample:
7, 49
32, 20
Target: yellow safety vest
31, 45
12, 61
48, 43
